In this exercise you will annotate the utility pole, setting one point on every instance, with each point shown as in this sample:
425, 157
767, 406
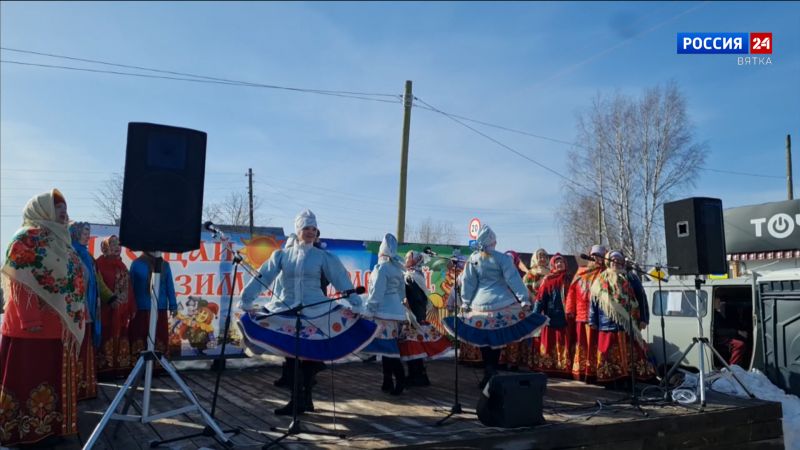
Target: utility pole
789, 182
599, 222
401, 208
250, 194
600, 212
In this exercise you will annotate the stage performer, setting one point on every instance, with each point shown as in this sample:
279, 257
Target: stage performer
329, 331
287, 368
114, 353
96, 293
495, 304
584, 363
141, 278
554, 350
616, 313
418, 339
384, 306
43, 327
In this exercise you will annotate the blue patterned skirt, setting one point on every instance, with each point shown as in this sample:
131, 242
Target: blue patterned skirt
496, 328
328, 337
385, 342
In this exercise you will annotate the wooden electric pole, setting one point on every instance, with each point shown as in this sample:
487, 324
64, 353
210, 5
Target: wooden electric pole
789, 182
250, 194
401, 208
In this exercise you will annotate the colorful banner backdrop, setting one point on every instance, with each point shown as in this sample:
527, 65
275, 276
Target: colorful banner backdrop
204, 278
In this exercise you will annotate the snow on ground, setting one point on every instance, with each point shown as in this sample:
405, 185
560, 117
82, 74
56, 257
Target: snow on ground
762, 388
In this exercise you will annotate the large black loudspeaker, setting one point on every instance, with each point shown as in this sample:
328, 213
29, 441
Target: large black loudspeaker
162, 197
514, 401
695, 236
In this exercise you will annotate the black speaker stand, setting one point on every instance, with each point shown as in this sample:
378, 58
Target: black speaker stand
456, 407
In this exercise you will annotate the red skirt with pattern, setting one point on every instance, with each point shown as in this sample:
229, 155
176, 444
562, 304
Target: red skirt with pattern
139, 328
114, 354
38, 390
584, 361
423, 342
554, 352
613, 358
517, 354
87, 371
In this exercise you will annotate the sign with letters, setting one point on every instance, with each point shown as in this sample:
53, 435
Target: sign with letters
763, 228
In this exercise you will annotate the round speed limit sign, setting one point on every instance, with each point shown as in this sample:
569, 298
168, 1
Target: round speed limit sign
474, 228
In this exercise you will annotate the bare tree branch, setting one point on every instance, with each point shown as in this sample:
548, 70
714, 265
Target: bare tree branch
637, 153
108, 199
430, 232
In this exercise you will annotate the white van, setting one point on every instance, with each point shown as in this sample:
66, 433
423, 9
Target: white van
765, 309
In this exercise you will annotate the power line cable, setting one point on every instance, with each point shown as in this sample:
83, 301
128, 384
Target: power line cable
561, 141
526, 157
205, 77
195, 80
397, 98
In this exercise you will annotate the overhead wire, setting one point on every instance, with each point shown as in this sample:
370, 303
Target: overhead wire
395, 98
193, 80
184, 76
205, 77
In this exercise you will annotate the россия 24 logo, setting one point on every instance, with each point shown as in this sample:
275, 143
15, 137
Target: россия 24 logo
725, 43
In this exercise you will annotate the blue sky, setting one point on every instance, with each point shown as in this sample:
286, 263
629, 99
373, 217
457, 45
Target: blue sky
528, 66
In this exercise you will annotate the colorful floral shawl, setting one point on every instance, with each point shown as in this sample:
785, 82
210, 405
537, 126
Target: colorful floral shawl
40, 256
613, 293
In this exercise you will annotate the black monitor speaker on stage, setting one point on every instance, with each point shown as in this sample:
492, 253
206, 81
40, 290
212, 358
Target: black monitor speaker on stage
162, 196
695, 236
514, 400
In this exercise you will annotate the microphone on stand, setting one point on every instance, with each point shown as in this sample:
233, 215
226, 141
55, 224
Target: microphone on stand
208, 225
348, 292
586, 257
630, 263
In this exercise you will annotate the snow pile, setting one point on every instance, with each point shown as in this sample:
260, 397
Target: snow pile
762, 388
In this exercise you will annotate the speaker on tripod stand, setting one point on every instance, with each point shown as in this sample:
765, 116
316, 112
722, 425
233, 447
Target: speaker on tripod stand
162, 202
695, 237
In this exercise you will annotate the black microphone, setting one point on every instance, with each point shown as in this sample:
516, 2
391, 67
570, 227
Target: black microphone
430, 252
348, 292
208, 225
585, 257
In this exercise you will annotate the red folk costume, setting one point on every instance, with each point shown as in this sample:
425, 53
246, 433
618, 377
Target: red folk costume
584, 366
43, 327
520, 354
553, 354
614, 312
114, 353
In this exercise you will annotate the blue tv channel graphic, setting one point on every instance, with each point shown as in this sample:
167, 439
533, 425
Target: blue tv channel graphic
713, 43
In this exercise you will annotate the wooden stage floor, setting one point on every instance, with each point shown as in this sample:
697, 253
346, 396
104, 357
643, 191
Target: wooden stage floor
372, 419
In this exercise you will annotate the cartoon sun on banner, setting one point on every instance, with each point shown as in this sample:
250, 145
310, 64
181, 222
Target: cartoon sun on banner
258, 249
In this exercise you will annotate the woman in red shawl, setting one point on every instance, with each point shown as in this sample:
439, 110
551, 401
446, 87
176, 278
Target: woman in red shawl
584, 361
554, 352
114, 354
43, 326
616, 315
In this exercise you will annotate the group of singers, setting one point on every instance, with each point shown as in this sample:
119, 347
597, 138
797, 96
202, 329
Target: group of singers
61, 302
588, 327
